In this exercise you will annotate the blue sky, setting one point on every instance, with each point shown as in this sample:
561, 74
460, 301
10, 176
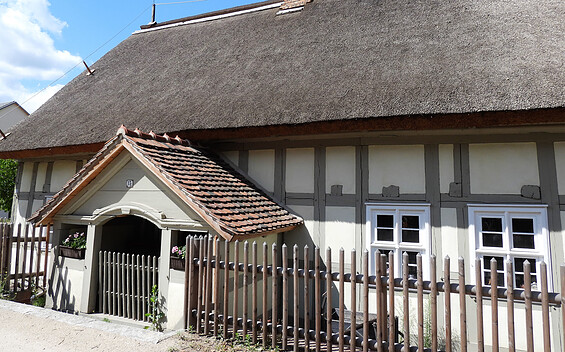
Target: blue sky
42, 40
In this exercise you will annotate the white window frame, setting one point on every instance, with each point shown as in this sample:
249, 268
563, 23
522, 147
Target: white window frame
542, 249
398, 247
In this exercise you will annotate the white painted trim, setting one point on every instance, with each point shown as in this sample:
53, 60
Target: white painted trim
506, 212
396, 209
211, 18
296, 9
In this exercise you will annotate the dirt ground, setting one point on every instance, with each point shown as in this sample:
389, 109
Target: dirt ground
29, 329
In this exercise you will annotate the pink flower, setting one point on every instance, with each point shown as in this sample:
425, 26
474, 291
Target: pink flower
175, 250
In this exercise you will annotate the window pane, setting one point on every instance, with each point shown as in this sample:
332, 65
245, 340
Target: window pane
412, 264
519, 264
492, 240
410, 222
385, 252
385, 221
499, 262
384, 235
524, 241
411, 236
523, 225
492, 224
500, 278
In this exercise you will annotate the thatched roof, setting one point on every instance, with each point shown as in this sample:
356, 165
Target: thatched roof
335, 60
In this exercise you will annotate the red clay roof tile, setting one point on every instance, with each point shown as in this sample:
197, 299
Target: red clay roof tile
238, 205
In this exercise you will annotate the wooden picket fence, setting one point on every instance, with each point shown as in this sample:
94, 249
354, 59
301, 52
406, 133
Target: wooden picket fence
212, 305
21, 257
125, 282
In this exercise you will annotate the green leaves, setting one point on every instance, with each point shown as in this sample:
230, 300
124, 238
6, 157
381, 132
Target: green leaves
8, 171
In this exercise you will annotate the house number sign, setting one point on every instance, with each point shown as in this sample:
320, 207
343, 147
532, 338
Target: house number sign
129, 183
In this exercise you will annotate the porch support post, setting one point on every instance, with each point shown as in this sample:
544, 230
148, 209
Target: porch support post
164, 268
90, 278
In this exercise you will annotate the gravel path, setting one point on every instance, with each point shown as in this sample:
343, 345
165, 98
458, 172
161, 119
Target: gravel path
31, 329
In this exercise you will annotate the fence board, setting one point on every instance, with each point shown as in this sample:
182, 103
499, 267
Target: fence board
38, 260
31, 251
462, 306
338, 335
235, 287
341, 299
545, 307
447, 290
510, 305
478, 281
353, 324
406, 302
306, 298
391, 327
47, 241
420, 302
226, 289
208, 287
285, 297
317, 298
329, 300
245, 288
275, 296
216, 285
264, 318
494, 303
295, 299
24, 259
254, 280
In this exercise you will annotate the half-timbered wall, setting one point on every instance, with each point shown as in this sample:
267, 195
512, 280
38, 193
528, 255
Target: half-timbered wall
331, 183
38, 180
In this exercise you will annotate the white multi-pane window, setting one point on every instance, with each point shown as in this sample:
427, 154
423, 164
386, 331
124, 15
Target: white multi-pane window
399, 228
514, 233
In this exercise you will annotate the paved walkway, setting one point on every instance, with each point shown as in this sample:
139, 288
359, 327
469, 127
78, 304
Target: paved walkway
28, 328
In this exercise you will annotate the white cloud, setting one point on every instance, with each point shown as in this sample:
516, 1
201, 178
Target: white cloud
28, 51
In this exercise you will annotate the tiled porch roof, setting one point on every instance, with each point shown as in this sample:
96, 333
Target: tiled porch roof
224, 198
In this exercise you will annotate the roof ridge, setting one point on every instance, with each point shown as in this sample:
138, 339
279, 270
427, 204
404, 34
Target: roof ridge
214, 15
165, 138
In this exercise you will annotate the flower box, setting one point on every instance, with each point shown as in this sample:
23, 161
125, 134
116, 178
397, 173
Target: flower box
72, 252
177, 263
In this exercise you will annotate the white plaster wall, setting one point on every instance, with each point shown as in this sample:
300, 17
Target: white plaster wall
303, 235
261, 167
519, 326
299, 175
399, 165
146, 190
175, 300
40, 180
232, 156
66, 289
449, 239
340, 231
27, 171
63, 170
269, 240
10, 116
502, 168
446, 167
559, 148
340, 168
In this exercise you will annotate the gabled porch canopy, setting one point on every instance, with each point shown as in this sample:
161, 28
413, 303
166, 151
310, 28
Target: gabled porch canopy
221, 196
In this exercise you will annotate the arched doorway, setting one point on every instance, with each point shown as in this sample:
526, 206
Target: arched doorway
131, 235
128, 266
